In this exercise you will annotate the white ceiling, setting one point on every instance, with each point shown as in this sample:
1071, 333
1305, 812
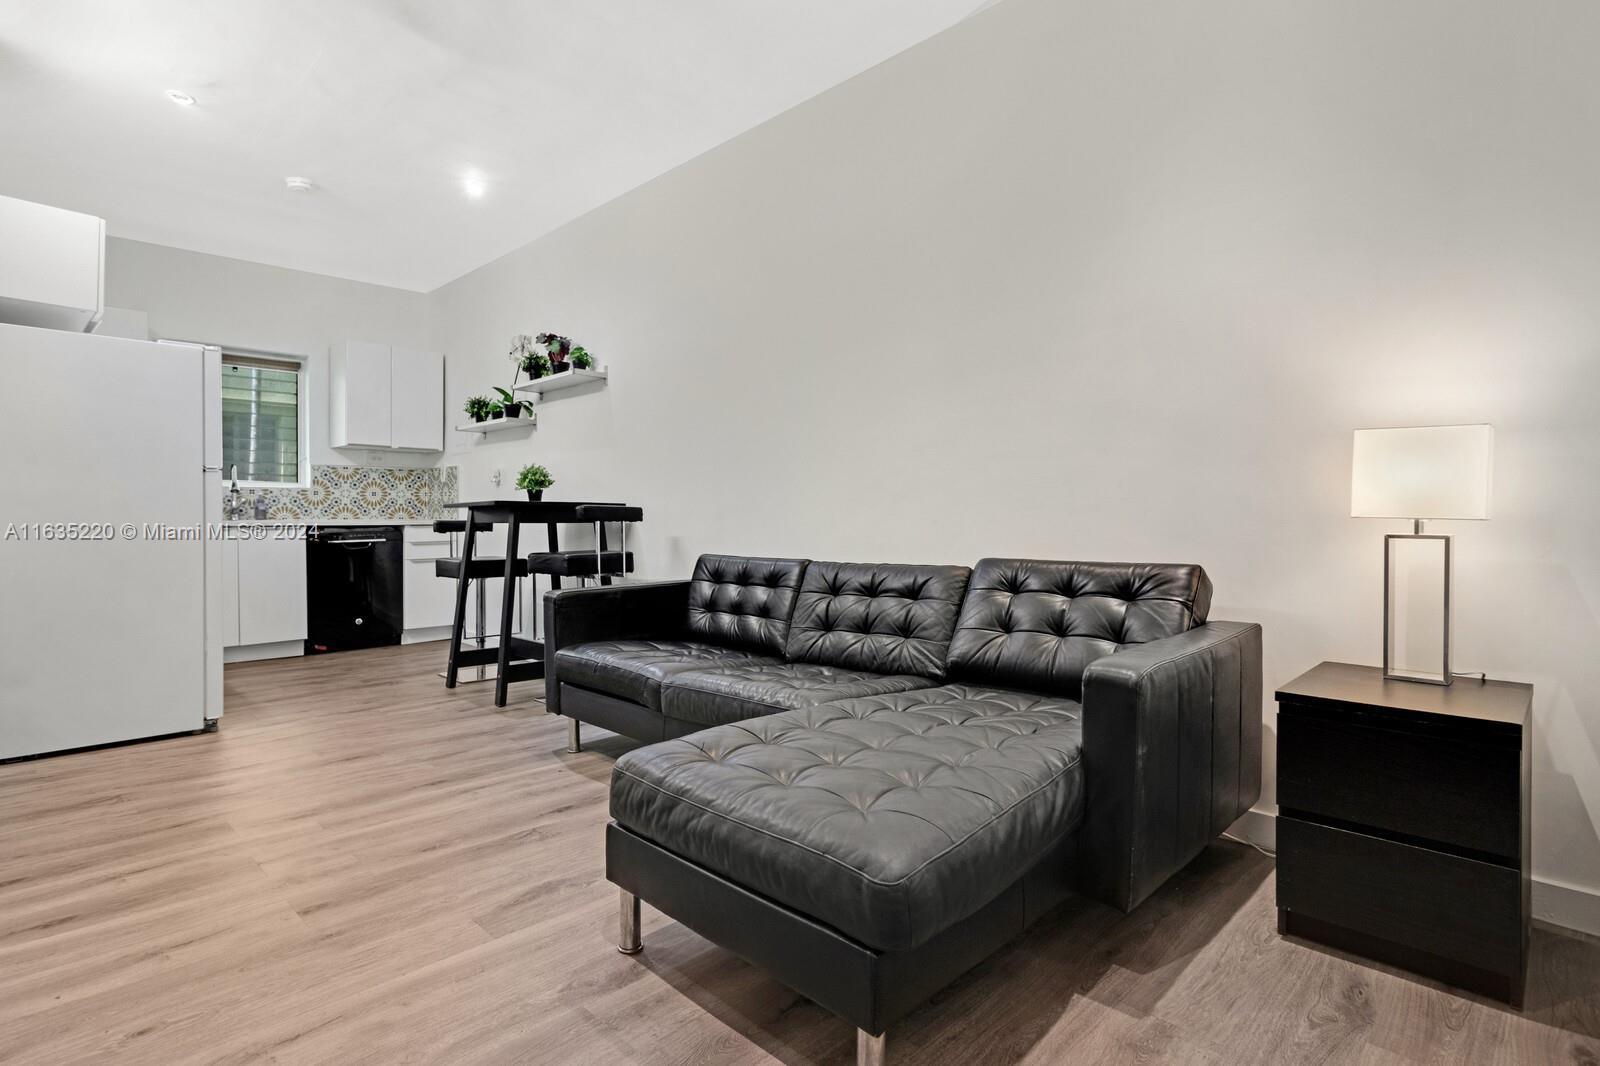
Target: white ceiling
386, 104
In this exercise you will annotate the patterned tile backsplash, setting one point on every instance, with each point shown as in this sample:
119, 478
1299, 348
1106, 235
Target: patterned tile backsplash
363, 493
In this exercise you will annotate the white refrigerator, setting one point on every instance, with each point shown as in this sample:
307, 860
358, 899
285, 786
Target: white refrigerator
110, 567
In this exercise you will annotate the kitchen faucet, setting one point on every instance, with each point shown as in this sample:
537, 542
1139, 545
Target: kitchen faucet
233, 507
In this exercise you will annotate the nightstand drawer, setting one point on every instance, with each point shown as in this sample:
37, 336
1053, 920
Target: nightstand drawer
1444, 905
1457, 794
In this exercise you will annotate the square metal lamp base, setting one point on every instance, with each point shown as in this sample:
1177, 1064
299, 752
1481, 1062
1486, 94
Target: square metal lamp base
1411, 581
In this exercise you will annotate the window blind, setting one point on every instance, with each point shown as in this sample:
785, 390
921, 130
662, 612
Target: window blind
261, 418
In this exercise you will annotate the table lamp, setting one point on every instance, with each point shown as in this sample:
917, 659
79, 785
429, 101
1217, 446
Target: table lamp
1419, 473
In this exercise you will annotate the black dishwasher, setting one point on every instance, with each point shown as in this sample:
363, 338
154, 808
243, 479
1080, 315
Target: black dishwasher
353, 591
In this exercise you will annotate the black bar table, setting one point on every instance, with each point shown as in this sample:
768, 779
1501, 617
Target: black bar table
483, 514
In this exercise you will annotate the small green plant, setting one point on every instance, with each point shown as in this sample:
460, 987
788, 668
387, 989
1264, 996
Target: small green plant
582, 359
534, 478
527, 359
509, 405
479, 407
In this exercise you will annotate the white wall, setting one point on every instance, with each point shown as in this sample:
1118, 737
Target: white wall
193, 296
1116, 281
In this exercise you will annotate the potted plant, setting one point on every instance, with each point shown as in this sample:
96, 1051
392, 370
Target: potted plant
534, 479
582, 359
557, 348
535, 364
527, 359
478, 407
509, 405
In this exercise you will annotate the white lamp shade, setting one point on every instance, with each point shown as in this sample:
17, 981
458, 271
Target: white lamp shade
1422, 472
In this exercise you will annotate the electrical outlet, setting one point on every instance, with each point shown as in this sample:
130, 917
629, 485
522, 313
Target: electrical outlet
494, 477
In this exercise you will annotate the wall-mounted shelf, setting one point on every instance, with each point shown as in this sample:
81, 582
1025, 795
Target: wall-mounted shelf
564, 380
497, 425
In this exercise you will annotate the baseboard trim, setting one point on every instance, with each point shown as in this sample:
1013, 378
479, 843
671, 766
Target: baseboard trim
425, 635
1555, 903
1258, 828
1569, 906
249, 653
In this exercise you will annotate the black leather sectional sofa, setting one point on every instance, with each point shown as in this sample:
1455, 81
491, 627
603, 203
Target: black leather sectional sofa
869, 777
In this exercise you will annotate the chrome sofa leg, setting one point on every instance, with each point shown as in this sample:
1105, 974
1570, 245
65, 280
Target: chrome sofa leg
629, 942
574, 740
870, 1049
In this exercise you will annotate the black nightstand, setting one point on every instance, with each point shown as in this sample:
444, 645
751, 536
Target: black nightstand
1403, 822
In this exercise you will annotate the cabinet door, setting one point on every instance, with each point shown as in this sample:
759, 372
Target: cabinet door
52, 265
428, 600
360, 396
417, 399
230, 593
272, 590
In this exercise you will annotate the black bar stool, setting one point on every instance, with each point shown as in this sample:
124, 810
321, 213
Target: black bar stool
599, 563
482, 569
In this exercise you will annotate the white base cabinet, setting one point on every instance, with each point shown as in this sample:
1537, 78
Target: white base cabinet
264, 595
230, 593
428, 601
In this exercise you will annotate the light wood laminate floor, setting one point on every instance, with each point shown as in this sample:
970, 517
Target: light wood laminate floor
361, 867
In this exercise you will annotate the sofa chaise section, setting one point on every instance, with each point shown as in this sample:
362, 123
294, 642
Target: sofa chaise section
1093, 731
894, 816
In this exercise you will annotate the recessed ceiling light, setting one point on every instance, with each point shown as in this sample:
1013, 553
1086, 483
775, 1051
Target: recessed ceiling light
179, 97
298, 184
473, 185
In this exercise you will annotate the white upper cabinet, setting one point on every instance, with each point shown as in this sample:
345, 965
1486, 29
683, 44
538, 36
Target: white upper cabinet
416, 414
52, 266
386, 397
359, 396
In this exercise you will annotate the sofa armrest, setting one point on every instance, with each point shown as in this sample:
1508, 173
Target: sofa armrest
636, 610
1172, 755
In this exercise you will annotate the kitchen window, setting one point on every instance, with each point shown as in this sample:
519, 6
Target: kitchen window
263, 419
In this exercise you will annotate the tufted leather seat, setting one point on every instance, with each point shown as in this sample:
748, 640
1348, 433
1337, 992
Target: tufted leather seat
886, 817
635, 669
732, 691
1037, 625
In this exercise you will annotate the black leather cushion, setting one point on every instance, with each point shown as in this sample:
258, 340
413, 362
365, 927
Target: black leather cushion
1037, 625
482, 567
744, 602
884, 617
734, 691
634, 669
888, 818
580, 562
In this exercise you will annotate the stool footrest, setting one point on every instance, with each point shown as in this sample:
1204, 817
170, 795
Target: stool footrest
520, 649
532, 670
